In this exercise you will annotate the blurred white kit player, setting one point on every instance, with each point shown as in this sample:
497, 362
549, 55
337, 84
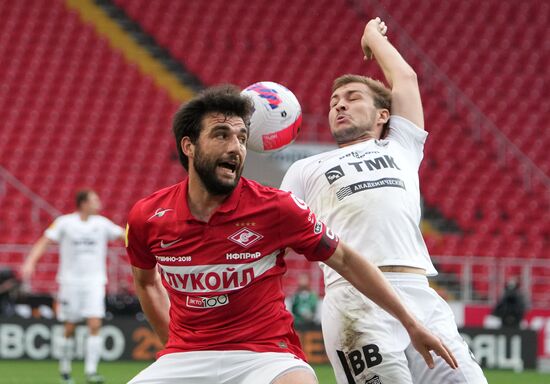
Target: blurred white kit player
83, 237
367, 191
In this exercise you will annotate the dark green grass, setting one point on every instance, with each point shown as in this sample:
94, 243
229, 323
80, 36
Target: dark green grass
45, 372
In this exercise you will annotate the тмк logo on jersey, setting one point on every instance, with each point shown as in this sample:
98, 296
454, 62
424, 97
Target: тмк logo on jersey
245, 237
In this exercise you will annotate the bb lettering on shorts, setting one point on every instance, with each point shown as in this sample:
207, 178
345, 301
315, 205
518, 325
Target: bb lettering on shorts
207, 302
356, 361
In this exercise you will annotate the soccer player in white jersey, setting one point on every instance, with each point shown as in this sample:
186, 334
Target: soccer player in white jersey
367, 191
82, 237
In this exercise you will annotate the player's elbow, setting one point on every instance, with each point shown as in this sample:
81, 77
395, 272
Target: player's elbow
144, 278
406, 75
44, 241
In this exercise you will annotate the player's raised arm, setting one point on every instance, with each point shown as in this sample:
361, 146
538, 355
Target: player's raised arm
114, 231
401, 77
154, 300
368, 279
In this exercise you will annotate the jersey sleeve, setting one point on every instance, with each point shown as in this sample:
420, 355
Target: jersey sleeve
292, 181
409, 136
136, 240
113, 231
301, 231
55, 230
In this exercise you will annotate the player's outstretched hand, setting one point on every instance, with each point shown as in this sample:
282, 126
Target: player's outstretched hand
26, 271
424, 342
376, 26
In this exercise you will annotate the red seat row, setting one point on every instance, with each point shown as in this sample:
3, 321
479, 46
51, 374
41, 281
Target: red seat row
75, 113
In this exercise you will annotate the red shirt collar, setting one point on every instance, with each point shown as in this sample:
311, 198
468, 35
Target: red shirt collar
228, 205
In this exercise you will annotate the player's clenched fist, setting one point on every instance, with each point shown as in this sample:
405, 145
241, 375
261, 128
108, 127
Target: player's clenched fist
375, 27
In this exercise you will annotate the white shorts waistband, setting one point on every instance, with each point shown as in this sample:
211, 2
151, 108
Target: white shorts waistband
395, 278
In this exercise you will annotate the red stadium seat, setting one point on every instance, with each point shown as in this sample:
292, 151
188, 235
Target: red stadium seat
76, 113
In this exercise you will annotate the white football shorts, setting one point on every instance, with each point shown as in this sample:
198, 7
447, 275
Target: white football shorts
367, 345
77, 303
220, 367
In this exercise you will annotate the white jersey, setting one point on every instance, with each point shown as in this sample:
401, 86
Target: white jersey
82, 247
369, 195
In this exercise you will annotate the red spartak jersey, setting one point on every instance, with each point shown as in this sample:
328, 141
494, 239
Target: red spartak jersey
224, 276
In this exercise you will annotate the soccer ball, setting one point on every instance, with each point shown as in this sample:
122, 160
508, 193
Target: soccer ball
276, 119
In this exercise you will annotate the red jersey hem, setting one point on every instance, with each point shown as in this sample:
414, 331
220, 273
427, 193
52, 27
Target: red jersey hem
236, 347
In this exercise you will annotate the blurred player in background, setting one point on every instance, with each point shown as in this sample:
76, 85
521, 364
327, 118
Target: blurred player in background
218, 241
82, 237
368, 192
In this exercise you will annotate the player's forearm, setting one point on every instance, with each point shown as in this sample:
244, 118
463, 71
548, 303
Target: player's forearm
156, 306
38, 249
394, 66
368, 280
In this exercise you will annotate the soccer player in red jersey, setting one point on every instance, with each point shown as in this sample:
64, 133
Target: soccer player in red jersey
208, 256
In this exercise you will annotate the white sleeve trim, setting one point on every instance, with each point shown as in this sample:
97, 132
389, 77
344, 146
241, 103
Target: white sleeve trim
50, 236
53, 232
401, 123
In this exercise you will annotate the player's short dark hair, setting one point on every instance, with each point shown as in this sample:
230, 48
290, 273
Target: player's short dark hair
380, 93
224, 99
82, 196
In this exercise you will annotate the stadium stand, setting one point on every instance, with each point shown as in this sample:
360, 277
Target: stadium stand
82, 115
75, 114
252, 50
465, 174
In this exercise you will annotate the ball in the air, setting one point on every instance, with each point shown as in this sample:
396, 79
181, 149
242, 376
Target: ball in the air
276, 119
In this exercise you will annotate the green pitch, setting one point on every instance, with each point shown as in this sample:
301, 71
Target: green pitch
45, 372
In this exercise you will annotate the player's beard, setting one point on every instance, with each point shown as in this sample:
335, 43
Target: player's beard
206, 170
354, 132
347, 134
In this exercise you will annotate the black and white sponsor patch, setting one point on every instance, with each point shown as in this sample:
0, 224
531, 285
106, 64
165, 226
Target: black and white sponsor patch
207, 302
318, 227
334, 174
365, 185
374, 380
357, 155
